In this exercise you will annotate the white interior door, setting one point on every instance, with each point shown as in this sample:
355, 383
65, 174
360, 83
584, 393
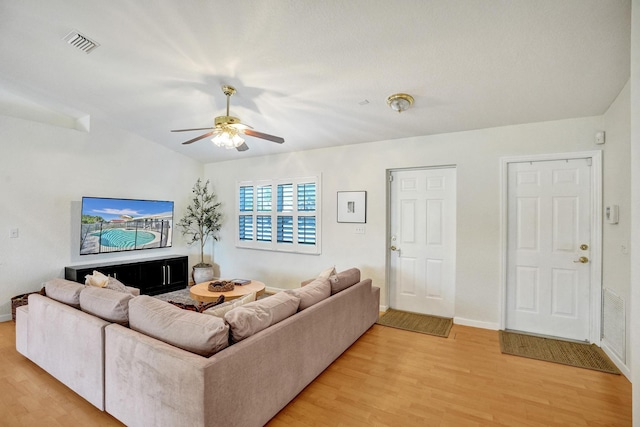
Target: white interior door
548, 247
423, 241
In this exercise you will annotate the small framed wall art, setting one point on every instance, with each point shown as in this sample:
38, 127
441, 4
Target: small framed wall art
352, 206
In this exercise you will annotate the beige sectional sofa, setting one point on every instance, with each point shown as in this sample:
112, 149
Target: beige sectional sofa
67, 342
159, 372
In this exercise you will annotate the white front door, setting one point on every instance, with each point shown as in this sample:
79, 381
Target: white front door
548, 247
423, 241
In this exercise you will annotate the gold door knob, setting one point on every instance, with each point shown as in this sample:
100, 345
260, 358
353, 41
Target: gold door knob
393, 248
582, 259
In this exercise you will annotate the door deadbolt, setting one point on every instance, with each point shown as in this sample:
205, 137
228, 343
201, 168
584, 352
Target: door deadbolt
584, 247
582, 259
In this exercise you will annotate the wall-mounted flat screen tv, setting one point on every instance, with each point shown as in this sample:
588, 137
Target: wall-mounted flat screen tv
115, 225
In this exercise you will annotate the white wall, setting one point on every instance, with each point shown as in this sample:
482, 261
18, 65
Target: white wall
44, 172
616, 191
634, 324
362, 167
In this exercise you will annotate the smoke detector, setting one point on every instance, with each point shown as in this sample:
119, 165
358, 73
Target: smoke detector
80, 42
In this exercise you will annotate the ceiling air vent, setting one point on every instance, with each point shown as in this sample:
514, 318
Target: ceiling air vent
80, 42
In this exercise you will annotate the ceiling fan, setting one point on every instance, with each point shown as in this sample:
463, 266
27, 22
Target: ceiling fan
227, 129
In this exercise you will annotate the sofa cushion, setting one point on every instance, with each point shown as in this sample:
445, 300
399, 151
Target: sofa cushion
107, 304
253, 317
221, 310
312, 293
64, 291
344, 280
133, 291
194, 332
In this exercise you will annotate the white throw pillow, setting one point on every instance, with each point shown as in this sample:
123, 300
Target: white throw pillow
96, 279
329, 273
222, 309
325, 274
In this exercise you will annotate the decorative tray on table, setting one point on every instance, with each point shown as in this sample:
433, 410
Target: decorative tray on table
221, 286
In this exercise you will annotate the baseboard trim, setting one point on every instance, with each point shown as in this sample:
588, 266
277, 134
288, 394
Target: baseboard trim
616, 360
5, 317
476, 324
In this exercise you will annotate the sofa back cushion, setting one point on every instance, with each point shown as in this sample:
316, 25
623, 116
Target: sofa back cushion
107, 304
344, 279
312, 293
64, 291
188, 330
253, 317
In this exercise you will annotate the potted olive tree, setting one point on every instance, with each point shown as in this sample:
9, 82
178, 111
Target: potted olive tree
202, 221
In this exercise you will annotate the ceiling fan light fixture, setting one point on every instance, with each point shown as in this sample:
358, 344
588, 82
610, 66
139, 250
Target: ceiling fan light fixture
228, 139
227, 129
400, 102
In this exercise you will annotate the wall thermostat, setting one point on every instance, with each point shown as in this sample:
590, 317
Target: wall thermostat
611, 214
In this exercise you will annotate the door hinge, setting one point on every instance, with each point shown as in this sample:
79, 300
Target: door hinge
390, 178
589, 161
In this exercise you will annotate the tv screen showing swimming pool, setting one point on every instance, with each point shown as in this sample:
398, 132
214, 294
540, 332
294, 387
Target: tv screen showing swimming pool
115, 225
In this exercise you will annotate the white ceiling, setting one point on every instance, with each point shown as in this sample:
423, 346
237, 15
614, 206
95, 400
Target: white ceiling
303, 68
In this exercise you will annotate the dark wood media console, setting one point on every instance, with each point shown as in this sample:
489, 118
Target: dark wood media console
151, 275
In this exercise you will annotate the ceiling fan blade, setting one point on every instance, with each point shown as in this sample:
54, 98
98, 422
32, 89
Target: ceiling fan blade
243, 147
188, 130
198, 138
266, 136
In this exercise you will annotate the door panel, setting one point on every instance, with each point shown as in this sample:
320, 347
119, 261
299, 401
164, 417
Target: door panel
564, 293
527, 223
527, 288
422, 261
548, 289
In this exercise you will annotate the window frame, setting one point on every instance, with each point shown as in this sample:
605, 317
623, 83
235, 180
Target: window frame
274, 245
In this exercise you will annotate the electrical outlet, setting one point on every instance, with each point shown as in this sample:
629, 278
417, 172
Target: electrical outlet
359, 229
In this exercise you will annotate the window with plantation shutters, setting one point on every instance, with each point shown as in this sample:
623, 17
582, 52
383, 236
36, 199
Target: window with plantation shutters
280, 215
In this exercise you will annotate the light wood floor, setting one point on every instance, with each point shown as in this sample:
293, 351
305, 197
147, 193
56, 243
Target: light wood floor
388, 378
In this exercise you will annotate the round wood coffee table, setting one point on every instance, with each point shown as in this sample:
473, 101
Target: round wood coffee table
200, 292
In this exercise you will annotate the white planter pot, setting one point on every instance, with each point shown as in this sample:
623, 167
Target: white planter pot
202, 274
